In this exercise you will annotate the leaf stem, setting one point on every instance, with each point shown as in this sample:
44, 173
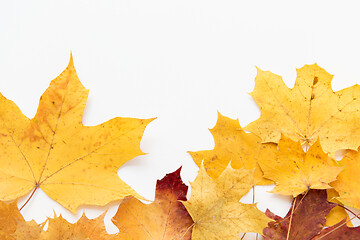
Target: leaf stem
253, 195
253, 201
355, 215
291, 215
32, 194
302, 198
182, 236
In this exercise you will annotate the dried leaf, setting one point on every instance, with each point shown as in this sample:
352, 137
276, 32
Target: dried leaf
338, 213
215, 208
60, 229
165, 218
347, 183
295, 171
339, 232
84, 229
307, 220
27, 230
244, 150
13, 225
309, 111
72, 163
9, 216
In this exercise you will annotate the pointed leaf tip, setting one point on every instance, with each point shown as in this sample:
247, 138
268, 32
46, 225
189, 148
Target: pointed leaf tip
172, 181
71, 60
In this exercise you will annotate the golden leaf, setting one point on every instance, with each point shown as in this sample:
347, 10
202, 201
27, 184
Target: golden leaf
9, 217
215, 208
13, 225
72, 163
295, 171
347, 183
244, 150
27, 230
309, 111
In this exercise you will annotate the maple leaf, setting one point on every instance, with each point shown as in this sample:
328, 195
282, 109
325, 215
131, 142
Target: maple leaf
13, 226
347, 183
9, 215
83, 229
71, 163
307, 220
215, 208
165, 218
339, 232
309, 111
295, 171
244, 150
27, 230
11, 220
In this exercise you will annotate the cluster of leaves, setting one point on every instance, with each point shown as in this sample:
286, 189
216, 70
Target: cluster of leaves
292, 144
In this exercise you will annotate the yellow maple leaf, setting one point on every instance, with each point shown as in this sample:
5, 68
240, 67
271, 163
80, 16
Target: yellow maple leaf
71, 163
295, 171
309, 111
244, 150
215, 208
347, 183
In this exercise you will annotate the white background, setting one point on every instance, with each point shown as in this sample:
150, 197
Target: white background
180, 61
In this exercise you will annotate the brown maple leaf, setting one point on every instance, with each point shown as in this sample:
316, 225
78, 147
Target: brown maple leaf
305, 219
339, 232
165, 218
309, 111
71, 163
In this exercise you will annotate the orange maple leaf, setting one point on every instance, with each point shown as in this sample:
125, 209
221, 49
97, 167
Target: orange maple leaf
166, 218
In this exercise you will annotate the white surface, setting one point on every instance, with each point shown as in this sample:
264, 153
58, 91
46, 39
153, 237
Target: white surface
180, 61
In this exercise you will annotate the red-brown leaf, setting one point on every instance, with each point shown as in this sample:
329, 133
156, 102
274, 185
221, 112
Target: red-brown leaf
166, 218
308, 218
339, 232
